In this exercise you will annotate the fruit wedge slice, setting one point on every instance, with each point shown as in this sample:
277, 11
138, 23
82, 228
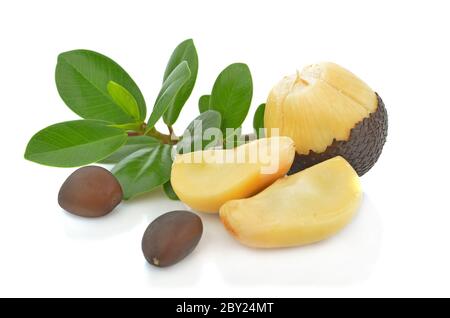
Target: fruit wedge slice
205, 180
303, 208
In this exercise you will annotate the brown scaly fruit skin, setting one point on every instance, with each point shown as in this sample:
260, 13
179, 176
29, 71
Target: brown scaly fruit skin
362, 149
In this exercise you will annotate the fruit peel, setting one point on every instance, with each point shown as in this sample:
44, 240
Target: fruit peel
328, 111
361, 150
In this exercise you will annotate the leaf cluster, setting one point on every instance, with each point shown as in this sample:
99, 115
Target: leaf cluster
114, 128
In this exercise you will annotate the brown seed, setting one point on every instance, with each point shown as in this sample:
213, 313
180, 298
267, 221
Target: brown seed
90, 192
171, 237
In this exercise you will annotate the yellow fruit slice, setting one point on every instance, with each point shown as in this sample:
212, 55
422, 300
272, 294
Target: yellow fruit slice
303, 208
205, 180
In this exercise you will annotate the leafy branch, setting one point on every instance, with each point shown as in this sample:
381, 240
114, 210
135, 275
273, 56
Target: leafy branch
114, 128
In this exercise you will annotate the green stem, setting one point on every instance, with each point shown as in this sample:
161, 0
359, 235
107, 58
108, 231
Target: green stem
170, 130
167, 139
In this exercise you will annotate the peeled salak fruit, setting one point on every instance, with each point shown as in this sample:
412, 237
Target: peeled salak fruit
302, 208
205, 180
328, 112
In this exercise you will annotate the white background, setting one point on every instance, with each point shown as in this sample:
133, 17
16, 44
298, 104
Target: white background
398, 245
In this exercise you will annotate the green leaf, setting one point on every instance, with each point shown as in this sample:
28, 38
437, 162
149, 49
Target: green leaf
232, 94
129, 127
194, 136
144, 170
82, 77
168, 190
169, 91
185, 51
234, 139
203, 103
133, 144
74, 143
258, 120
124, 99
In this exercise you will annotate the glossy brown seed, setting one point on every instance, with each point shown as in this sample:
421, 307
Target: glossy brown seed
171, 237
90, 192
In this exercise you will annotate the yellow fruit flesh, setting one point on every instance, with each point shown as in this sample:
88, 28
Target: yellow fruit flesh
320, 104
205, 180
303, 208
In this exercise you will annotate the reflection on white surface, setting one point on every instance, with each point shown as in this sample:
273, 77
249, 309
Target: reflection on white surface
129, 214
347, 257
